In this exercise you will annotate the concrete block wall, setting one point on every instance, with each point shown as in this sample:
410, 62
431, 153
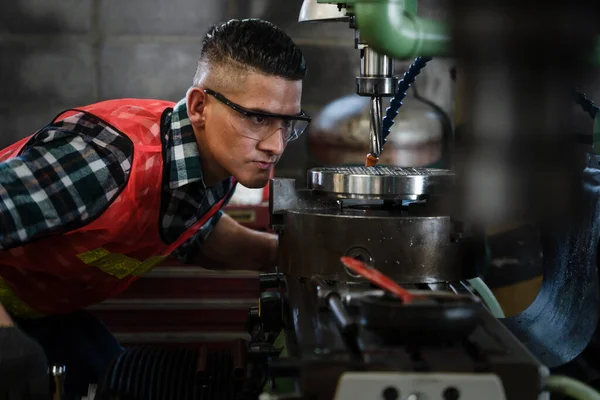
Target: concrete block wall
65, 53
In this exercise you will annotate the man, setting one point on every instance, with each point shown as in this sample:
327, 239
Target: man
106, 192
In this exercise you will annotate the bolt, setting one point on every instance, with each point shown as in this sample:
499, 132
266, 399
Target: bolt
321, 351
391, 393
451, 393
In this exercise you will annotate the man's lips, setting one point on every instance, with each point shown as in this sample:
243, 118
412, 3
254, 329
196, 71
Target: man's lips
264, 164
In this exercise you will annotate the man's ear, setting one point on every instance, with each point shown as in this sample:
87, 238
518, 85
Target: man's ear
196, 102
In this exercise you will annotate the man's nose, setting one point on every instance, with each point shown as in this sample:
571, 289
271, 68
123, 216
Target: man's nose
274, 143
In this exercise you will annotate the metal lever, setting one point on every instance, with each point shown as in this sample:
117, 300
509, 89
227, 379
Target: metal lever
332, 299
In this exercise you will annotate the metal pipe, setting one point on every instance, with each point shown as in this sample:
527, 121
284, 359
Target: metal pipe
393, 28
410, 6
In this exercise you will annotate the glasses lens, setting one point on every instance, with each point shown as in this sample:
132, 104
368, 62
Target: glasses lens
260, 127
297, 127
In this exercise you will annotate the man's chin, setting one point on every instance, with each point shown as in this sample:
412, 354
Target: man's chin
254, 182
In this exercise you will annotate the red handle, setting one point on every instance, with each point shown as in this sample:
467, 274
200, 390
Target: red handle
377, 278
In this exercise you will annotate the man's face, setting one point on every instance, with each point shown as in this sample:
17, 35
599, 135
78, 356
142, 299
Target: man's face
249, 146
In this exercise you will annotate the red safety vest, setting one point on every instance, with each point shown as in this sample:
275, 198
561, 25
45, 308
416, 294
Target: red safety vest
64, 273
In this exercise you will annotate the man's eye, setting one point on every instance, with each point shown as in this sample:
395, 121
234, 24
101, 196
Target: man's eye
258, 119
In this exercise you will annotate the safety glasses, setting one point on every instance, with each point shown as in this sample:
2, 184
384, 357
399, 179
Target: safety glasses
260, 125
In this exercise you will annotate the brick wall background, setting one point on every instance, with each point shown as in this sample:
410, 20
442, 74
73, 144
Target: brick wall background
64, 53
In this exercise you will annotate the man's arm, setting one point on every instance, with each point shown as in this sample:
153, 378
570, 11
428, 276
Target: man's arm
230, 245
60, 182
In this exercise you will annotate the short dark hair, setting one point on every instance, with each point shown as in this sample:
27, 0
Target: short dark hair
256, 44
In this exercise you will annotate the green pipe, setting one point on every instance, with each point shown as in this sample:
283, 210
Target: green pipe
391, 27
488, 297
571, 388
410, 6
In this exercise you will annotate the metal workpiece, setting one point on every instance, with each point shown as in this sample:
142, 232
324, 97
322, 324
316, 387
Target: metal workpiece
381, 182
408, 249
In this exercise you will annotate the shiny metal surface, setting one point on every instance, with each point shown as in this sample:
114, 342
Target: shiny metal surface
375, 133
408, 249
312, 11
376, 86
380, 182
374, 64
283, 196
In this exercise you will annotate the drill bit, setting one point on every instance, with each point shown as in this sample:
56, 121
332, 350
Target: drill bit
375, 133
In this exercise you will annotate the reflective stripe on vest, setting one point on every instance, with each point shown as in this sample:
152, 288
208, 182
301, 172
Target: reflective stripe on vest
118, 265
13, 304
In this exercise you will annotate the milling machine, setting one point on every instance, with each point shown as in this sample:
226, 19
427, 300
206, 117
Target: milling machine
424, 228
321, 331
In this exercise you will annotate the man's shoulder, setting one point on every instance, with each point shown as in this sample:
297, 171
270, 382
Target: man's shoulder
129, 106
83, 129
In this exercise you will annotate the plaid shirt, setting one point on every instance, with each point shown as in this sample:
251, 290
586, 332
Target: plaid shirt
72, 170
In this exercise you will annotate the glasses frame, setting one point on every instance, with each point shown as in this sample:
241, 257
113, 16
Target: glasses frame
254, 113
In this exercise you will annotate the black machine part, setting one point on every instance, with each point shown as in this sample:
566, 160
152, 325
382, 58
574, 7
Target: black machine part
418, 242
319, 353
194, 373
424, 320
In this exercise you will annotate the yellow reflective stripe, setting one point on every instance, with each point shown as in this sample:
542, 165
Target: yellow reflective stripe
93, 255
148, 265
118, 265
14, 305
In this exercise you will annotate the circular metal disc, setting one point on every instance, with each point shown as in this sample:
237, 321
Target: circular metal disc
380, 182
